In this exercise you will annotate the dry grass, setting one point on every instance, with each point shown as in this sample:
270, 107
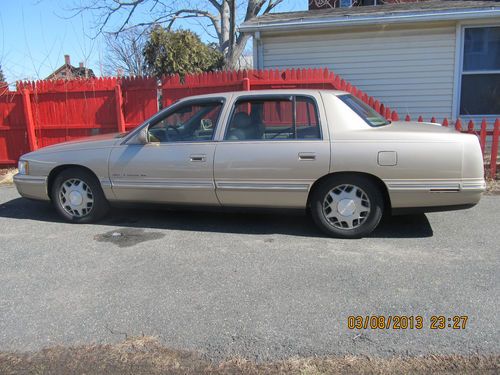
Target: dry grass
6, 175
493, 187
145, 355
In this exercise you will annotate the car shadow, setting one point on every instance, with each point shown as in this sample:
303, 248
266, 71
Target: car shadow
241, 222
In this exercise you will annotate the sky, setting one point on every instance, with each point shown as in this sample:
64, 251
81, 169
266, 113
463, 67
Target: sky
36, 34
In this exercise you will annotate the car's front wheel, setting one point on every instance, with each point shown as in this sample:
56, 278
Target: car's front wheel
78, 196
347, 206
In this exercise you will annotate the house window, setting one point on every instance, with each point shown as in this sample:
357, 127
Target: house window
480, 90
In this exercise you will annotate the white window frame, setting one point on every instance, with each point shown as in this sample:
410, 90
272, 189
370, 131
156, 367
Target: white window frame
459, 61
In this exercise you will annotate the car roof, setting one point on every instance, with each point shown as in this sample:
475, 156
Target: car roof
228, 94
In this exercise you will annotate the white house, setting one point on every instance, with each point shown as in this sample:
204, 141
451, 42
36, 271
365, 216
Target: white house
429, 58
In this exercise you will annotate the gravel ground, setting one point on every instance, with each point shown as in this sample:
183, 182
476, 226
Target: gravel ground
263, 287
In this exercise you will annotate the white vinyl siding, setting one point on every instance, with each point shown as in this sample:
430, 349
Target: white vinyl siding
408, 68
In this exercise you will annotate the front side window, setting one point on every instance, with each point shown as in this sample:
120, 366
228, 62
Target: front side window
293, 117
190, 122
480, 90
367, 113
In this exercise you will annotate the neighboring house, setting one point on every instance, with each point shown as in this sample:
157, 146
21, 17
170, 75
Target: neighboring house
68, 71
430, 58
325, 4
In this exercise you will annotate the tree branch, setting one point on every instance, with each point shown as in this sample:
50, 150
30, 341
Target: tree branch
216, 5
189, 13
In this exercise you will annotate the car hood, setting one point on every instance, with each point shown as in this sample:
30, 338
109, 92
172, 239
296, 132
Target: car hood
87, 143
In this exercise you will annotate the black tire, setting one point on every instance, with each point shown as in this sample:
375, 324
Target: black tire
376, 202
100, 204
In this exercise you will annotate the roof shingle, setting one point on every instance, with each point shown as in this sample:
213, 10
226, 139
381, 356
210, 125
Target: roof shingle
379, 10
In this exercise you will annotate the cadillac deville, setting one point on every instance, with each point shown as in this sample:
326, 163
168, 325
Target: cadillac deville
319, 150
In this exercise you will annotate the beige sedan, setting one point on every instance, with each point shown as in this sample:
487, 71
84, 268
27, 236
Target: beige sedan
320, 150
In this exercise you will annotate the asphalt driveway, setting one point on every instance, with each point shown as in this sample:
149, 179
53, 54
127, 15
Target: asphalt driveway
263, 286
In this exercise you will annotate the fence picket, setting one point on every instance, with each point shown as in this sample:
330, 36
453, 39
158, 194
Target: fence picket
470, 127
482, 135
494, 149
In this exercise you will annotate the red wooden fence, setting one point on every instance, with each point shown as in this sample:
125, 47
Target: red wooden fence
41, 113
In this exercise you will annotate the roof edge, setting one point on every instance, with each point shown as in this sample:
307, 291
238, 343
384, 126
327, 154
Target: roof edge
315, 23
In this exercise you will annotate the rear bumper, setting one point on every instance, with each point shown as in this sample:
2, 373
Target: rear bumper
34, 187
427, 196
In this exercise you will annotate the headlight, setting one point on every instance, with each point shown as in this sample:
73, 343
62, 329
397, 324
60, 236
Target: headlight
22, 167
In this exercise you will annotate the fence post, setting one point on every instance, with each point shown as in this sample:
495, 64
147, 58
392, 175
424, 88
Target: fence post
119, 113
494, 149
482, 135
30, 123
246, 84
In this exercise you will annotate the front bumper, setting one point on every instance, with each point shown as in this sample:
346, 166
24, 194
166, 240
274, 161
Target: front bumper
34, 187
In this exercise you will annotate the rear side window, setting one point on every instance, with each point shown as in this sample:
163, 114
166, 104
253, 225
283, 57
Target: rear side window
307, 121
269, 118
364, 111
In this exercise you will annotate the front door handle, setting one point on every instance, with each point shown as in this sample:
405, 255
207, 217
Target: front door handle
307, 156
198, 158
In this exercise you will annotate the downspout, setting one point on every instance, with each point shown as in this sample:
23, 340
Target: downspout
258, 57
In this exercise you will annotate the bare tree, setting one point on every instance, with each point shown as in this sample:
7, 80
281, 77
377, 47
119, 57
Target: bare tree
124, 53
219, 18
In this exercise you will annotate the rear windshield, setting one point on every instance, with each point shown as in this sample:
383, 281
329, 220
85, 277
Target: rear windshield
364, 111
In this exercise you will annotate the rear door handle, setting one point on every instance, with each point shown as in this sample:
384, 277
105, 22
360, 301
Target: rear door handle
307, 156
198, 158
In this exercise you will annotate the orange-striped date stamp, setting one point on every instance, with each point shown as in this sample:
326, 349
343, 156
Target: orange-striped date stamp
437, 322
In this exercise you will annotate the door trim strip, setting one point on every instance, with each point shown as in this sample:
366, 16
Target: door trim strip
261, 186
162, 185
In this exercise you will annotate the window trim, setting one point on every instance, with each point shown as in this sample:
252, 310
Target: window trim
459, 71
291, 97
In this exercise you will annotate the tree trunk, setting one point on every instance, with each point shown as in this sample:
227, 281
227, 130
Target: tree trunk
225, 19
232, 31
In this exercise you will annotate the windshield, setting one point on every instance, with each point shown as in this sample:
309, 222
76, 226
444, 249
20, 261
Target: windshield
364, 111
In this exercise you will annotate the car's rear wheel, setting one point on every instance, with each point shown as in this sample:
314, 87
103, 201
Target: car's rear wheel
78, 196
347, 206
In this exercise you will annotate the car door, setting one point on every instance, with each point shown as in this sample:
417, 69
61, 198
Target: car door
176, 163
272, 150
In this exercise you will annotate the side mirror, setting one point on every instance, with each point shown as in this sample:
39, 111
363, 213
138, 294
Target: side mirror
142, 136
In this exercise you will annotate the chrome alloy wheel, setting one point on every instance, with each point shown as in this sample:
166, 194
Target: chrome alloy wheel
76, 197
346, 206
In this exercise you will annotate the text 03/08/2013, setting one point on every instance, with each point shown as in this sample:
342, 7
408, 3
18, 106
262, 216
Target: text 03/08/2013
436, 322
